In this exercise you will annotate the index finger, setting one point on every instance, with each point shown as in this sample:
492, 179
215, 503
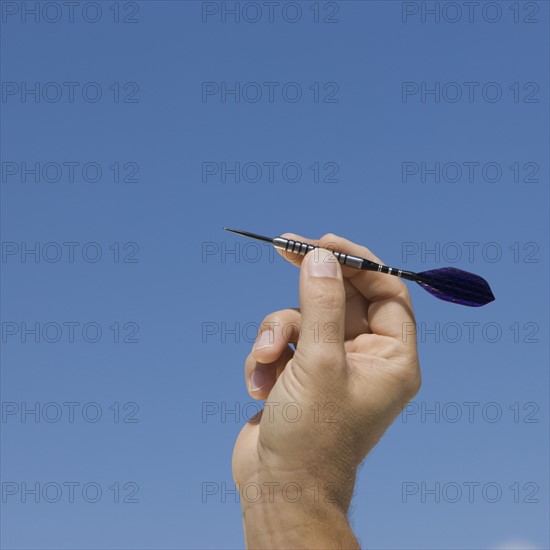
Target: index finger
390, 303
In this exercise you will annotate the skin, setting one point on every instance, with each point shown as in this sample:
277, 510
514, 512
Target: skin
334, 374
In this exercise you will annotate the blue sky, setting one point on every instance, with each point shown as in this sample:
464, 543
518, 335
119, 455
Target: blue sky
423, 135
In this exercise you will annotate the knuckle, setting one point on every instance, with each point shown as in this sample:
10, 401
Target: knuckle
270, 321
411, 382
403, 290
285, 324
403, 297
273, 320
319, 358
329, 241
329, 237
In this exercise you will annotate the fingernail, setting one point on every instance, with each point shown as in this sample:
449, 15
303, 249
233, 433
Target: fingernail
265, 340
322, 263
258, 380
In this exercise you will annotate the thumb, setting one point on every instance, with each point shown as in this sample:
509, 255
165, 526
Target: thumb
323, 308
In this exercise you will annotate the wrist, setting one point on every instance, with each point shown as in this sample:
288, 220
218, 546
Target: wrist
307, 490
295, 512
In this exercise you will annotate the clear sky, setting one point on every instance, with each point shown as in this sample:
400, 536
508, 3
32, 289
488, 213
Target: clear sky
421, 134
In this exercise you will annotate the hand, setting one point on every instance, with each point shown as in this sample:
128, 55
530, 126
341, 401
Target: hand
329, 401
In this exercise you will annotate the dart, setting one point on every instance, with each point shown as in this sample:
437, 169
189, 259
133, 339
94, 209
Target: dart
447, 283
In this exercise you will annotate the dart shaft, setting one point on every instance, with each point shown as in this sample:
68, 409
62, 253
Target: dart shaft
296, 247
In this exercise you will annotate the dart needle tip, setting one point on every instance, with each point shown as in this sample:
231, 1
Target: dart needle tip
250, 235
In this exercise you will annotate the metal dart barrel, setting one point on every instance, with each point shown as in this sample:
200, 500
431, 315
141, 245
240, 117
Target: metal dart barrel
297, 247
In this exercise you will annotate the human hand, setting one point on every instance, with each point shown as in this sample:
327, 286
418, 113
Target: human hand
329, 401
